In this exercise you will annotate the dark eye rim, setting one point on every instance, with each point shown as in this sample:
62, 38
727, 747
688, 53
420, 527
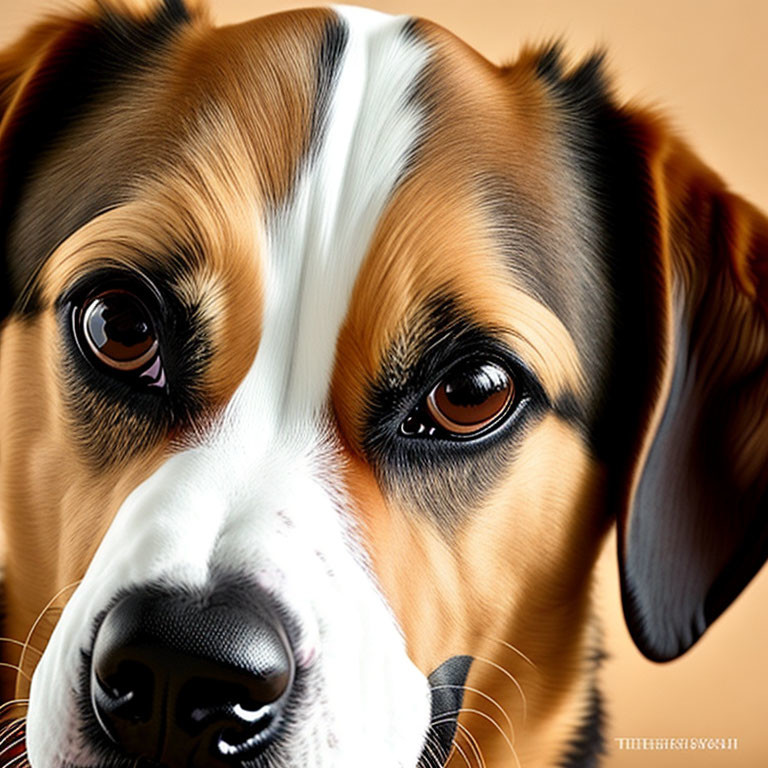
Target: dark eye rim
526, 391
83, 295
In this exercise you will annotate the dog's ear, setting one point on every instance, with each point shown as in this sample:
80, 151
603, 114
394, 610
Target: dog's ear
22, 74
48, 81
688, 446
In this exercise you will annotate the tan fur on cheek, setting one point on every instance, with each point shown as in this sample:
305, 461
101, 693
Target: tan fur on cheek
527, 531
414, 566
521, 540
530, 552
510, 588
55, 508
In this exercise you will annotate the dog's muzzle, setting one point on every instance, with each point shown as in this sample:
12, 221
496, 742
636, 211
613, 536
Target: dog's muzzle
178, 679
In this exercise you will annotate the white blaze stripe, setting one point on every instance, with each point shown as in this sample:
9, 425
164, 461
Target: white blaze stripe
318, 240
260, 496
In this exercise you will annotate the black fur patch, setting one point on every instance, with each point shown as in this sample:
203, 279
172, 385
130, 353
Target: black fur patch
335, 38
554, 261
87, 59
588, 745
447, 685
584, 87
606, 150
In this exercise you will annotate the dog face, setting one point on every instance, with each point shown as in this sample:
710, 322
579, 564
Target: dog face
332, 350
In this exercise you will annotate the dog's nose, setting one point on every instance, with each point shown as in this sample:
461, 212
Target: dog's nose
183, 681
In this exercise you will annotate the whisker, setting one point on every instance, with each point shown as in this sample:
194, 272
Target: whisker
471, 711
512, 678
18, 760
13, 744
432, 750
461, 752
435, 753
477, 752
8, 726
11, 733
20, 644
18, 670
30, 634
9, 704
512, 648
488, 698
473, 743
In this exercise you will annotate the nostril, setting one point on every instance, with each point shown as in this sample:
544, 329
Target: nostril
238, 725
125, 691
206, 701
248, 737
237, 719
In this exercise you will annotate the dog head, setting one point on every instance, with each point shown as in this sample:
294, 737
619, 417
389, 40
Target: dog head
330, 352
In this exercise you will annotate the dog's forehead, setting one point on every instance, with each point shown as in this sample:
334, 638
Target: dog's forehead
250, 102
423, 176
447, 172
377, 164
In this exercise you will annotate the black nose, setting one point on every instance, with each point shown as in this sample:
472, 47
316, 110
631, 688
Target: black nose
183, 680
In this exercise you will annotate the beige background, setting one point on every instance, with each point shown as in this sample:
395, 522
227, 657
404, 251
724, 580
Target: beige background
706, 63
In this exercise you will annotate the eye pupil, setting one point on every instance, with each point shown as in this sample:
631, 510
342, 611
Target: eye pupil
483, 389
471, 398
118, 330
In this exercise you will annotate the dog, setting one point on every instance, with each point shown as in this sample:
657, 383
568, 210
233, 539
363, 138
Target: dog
330, 354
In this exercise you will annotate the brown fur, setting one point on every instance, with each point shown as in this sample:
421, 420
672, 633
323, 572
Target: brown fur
511, 583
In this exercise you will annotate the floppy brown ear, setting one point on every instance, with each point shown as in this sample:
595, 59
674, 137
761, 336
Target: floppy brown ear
17, 60
693, 479
22, 75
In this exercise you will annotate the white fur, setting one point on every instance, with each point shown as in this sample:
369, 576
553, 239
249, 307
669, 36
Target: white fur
262, 494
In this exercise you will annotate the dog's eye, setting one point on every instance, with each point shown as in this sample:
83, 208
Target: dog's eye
470, 399
118, 332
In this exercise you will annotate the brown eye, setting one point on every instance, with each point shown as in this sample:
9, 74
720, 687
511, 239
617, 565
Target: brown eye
471, 397
118, 330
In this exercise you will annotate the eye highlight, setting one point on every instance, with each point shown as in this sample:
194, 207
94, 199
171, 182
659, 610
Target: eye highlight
469, 400
115, 329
